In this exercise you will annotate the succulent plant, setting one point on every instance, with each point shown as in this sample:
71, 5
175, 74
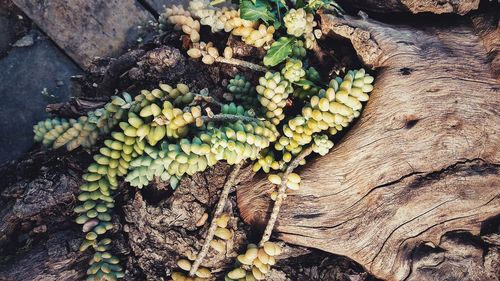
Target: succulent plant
295, 22
293, 70
166, 133
330, 110
273, 92
255, 263
298, 50
85, 130
152, 141
243, 91
255, 36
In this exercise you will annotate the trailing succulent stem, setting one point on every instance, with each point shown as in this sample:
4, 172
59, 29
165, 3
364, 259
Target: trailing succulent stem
213, 225
169, 133
281, 194
164, 136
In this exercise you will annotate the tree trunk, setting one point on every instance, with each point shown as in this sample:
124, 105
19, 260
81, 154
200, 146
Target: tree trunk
422, 162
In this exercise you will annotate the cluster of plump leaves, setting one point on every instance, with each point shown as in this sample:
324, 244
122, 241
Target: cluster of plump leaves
272, 12
148, 144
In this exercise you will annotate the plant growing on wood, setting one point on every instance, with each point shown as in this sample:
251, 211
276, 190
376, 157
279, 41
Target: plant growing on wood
169, 132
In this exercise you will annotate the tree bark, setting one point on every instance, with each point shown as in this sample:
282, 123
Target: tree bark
460, 7
421, 163
38, 238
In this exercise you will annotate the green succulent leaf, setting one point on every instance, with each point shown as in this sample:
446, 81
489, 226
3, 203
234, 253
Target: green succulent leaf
254, 10
277, 25
279, 51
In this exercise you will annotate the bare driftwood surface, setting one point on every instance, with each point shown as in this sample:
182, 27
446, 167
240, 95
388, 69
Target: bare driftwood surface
460, 7
422, 163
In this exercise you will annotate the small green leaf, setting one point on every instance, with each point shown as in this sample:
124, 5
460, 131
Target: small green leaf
256, 10
279, 51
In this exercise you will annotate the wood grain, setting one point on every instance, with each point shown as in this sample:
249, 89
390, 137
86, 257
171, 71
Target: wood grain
421, 162
460, 7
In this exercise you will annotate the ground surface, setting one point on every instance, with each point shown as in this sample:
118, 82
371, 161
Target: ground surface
30, 62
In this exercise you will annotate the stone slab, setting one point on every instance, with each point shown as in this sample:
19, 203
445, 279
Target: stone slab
157, 5
88, 29
24, 73
12, 25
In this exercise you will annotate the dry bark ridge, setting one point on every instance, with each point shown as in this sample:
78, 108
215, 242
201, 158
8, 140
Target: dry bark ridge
460, 7
422, 161
36, 213
162, 232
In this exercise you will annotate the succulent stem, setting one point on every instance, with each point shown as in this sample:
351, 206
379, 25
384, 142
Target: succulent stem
229, 118
208, 99
242, 63
281, 194
213, 226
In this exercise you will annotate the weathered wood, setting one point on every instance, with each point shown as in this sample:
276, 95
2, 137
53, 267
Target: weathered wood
38, 239
88, 29
421, 162
460, 7
459, 256
57, 258
487, 26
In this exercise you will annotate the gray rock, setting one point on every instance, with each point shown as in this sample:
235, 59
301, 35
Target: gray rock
24, 73
157, 5
12, 26
88, 29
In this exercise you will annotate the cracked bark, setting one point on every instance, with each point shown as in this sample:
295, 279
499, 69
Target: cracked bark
164, 232
460, 7
419, 166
